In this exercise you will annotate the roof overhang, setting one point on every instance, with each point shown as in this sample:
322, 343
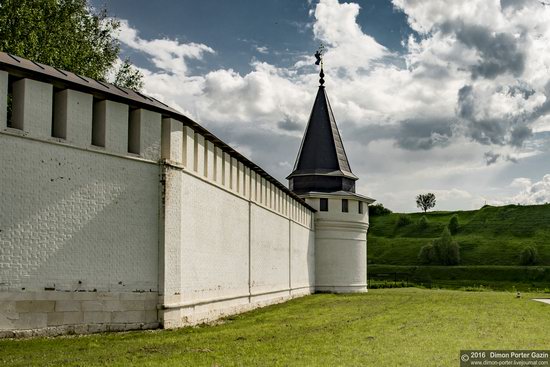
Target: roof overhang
323, 172
338, 194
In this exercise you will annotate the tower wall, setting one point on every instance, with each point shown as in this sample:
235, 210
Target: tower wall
340, 245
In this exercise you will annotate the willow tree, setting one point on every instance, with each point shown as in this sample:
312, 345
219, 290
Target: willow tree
67, 34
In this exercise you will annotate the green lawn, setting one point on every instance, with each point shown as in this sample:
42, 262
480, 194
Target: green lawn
386, 327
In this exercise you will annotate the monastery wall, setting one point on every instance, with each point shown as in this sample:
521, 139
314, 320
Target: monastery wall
233, 240
117, 213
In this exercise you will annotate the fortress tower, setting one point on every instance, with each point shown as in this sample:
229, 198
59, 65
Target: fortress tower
323, 178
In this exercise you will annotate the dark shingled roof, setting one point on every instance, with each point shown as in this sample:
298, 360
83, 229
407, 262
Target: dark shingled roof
322, 160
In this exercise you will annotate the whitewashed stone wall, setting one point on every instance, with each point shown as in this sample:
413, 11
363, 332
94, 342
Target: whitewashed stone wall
151, 224
340, 243
78, 224
232, 240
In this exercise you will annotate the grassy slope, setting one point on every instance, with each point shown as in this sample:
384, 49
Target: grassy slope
489, 236
397, 327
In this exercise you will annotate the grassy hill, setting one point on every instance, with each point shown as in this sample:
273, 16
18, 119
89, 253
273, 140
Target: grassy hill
491, 240
488, 236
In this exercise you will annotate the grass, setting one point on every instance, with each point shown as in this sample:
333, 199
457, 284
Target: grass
500, 277
488, 236
386, 327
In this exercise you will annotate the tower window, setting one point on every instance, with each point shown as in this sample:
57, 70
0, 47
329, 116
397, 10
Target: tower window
360, 207
344, 205
323, 205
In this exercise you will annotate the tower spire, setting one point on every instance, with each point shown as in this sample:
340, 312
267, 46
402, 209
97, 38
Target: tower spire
322, 164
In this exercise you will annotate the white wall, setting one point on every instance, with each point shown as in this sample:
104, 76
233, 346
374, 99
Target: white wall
90, 235
230, 242
340, 244
303, 252
71, 216
214, 252
270, 252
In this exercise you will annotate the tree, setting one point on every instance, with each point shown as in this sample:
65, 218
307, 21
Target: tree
443, 251
446, 249
528, 256
66, 34
425, 201
128, 76
423, 222
378, 209
453, 224
427, 254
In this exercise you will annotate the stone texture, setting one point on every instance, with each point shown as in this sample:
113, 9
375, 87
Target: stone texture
67, 306
32, 107
34, 306
97, 317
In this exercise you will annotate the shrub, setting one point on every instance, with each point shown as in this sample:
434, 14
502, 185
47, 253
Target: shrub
402, 221
443, 251
528, 256
453, 224
378, 209
427, 254
423, 222
446, 249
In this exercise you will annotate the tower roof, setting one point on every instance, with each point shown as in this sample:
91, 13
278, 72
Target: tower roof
322, 153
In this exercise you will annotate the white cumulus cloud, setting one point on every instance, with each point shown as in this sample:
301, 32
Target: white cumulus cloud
166, 54
460, 107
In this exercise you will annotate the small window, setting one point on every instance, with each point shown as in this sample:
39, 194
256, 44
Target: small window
134, 130
9, 106
13, 121
360, 207
344, 205
323, 205
59, 114
98, 123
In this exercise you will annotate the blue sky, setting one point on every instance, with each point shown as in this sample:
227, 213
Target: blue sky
450, 97
237, 29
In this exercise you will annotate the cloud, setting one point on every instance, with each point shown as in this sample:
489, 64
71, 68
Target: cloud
423, 134
288, 124
491, 158
469, 96
532, 193
350, 49
499, 53
496, 50
262, 49
167, 55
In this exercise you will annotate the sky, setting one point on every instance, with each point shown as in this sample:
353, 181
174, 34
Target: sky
443, 96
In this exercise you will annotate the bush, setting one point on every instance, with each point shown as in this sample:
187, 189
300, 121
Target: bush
423, 222
453, 224
442, 251
528, 256
427, 254
402, 221
378, 209
446, 249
